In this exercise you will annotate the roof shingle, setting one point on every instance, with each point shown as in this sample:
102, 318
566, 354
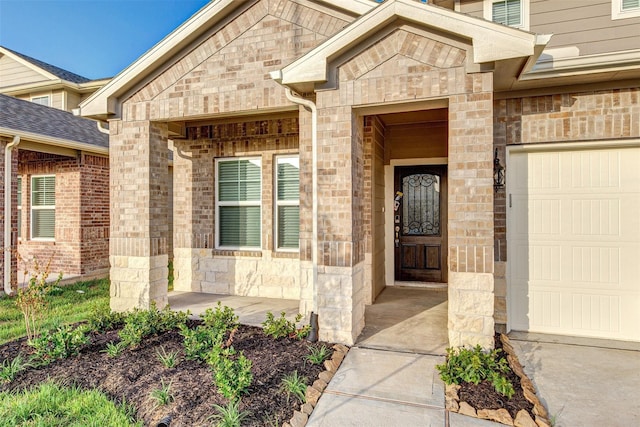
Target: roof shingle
26, 116
56, 71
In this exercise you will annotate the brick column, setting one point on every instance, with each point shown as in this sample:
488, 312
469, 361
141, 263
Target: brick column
340, 229
139, 230
470, 210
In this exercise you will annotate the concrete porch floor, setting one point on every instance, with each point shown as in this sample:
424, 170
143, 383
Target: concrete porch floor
407, 319
250, 310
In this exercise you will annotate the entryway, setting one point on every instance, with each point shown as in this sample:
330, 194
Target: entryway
407, 320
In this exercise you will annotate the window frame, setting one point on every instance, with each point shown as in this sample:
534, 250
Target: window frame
524, 11
278, 203
219, 203
617, 12
33, 207
20, 192
48, 97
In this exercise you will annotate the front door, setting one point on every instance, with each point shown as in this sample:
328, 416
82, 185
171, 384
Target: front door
420, 223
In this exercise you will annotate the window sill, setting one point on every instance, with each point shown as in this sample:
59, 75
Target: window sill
237, 252
285, 254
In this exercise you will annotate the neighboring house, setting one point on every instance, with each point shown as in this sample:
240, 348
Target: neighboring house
27, 78
60, 169
327, 149
60, 187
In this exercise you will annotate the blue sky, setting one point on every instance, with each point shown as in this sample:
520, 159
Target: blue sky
93, 38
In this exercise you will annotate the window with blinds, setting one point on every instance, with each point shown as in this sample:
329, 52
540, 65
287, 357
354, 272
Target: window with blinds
43, 207
630, 4
238, 202
19, 182
507, 12
287, 207
42, 100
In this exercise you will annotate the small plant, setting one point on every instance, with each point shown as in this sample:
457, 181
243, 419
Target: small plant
222, 318
143, 323
31, 299
317, 355
61, 343
271, 420
9, 369
295, 385
230, 415
281, 327
103, 319
475, 365
114, 349
169, 360
162, 396
231, 371
199, 341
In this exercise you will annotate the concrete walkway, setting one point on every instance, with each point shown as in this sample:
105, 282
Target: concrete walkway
381, 388
583, 382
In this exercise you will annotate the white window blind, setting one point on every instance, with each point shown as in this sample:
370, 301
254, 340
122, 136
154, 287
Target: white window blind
239, 198
507, 12
19, 182
288, 202
43, 207
42, 100
630, 4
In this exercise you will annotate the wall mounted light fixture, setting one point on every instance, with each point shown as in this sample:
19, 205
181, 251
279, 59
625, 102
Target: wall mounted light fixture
498, 172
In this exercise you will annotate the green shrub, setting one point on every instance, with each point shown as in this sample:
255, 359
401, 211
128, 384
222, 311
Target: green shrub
231, 371
475, 365
139, 324
218, 325
61, 343
103, 319
199, 341
222, 318
281, 327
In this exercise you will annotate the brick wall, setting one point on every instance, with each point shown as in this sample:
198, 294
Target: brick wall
82, 206
199, 266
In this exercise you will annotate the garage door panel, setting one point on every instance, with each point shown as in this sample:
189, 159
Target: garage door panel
574, 242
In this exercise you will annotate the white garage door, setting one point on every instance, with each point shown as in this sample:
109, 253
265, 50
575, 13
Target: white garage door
574, 242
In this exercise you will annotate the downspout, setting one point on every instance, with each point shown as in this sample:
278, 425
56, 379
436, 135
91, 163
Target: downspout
7, 208
313, 336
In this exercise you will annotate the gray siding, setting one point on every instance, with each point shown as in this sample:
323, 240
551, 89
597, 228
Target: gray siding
586, 24
13, 73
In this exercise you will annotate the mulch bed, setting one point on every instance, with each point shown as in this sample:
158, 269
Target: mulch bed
487, 403
136, 372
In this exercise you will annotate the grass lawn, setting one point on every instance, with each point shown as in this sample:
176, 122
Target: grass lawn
52, 405
67, 304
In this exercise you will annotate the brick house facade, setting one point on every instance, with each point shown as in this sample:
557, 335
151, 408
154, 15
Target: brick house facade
364, 100
59, 191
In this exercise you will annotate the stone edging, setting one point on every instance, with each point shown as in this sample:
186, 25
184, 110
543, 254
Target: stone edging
523, 419
315, 390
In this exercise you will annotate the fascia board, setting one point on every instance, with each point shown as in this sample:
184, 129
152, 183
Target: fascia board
354, 6
98, 103
491, 41
28, 64
53, 141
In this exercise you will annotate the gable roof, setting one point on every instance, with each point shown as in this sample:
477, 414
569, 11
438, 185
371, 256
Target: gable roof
50, 126
490, 42
105, 102
54, 71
